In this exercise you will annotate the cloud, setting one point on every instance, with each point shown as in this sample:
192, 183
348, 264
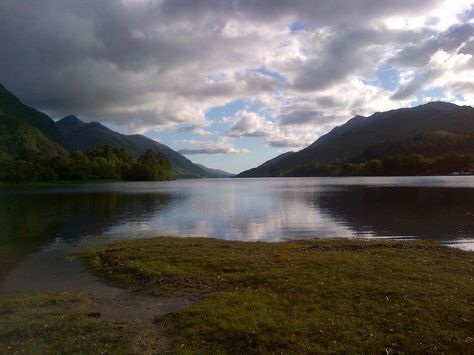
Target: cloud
418, 54
220, 146
415, 84
295, 116
148, 64
448, 66
248, 124
464, 86
312, 12
289, 140
346, 51
199, 131
251, 124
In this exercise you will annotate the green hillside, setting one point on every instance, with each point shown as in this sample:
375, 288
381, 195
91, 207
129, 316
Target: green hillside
31, 150
426, 144
360, 133
12, 109
26, 132
19, 140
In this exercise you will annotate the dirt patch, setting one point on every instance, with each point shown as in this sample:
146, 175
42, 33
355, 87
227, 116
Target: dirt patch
152, 339
145, 312
137, 314
138, 307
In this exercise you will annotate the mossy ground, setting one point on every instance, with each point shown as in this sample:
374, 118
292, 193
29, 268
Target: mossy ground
339, 296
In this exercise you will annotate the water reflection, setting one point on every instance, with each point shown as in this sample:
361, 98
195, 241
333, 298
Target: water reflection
39, 219
271, 210
421, 212
30, 221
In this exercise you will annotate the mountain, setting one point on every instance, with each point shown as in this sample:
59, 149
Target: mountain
12, 108
425, 144
216, 172
183, 167
25, 131
69, 124
275, 160
269, 168
360, 133
84, 136
29, 139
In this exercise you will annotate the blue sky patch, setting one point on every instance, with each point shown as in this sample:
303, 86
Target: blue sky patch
388, 77
296, 27
424, 96
272, 74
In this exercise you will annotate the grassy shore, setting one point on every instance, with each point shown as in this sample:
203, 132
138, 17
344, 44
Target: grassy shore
340, 296
59, 324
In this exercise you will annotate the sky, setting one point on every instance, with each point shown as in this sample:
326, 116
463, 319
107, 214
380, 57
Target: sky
233, 83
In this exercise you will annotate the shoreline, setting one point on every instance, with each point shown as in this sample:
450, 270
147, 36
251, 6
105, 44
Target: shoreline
219, 280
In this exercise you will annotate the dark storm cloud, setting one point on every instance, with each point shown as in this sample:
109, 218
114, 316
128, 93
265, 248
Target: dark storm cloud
311, 12
52, 57
85, 54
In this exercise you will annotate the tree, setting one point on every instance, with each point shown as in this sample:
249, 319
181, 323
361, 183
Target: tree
151, 167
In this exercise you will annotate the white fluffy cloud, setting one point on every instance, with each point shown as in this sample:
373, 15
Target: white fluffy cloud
146, 64
220, 146
251, 124
248, 124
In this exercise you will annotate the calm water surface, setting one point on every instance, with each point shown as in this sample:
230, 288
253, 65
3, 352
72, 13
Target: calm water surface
40, 226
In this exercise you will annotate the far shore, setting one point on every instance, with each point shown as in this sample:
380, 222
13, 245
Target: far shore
86, 182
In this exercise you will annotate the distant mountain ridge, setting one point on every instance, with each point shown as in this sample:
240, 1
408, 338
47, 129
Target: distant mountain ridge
359, 133
216, 172
268, 168
84, 136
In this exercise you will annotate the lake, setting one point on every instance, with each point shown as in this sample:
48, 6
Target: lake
40, 226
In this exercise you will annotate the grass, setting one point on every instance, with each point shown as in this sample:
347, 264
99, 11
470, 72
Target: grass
339, 296
57, 324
